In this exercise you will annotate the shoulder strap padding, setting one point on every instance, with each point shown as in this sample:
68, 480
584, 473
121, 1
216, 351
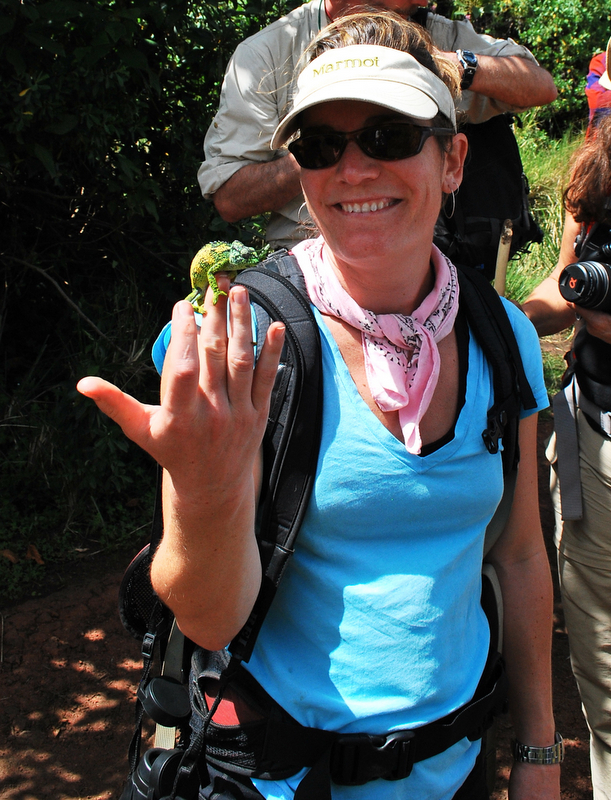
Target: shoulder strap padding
491, 326
292, 438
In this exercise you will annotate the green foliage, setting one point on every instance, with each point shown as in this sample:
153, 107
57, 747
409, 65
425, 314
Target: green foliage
562, 34
546, 162
103, 111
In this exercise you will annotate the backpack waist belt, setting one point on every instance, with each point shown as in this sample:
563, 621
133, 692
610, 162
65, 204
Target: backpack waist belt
268, 743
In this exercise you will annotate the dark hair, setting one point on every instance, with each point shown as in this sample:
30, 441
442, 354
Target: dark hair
590, 184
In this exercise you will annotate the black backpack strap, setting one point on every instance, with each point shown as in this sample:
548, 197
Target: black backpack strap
145, 617
292, 438
291, 445
491, 326
274, 746
489, 321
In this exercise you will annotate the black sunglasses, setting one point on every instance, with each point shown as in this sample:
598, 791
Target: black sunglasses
388, 141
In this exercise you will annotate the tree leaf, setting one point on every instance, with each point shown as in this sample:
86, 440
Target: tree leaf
43, 41
43, 155
6, 24
63, 125
132, 57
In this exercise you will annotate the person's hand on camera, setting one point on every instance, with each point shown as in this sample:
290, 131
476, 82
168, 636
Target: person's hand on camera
598, 323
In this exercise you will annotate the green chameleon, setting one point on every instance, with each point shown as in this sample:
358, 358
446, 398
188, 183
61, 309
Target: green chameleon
217, 257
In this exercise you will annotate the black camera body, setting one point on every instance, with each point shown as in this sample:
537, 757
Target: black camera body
587, 282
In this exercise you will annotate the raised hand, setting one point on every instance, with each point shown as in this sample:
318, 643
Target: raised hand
214, 404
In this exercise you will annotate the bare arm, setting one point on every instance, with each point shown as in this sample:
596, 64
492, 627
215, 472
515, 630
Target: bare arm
523, 570
545, 307
512, 80
257, 188
207, 435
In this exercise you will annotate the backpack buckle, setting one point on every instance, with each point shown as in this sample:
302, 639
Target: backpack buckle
359, 758
494, 431
148, 645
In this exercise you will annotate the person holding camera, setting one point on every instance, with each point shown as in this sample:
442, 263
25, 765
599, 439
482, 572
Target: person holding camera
578, 292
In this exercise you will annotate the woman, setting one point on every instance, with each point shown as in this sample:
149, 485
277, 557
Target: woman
583, 532
377, 625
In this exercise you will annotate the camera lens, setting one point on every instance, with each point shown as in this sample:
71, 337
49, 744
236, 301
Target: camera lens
587, 284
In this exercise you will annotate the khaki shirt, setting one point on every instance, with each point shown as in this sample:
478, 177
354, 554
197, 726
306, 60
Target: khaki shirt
256, 93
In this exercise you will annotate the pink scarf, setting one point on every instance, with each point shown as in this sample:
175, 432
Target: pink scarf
400, 352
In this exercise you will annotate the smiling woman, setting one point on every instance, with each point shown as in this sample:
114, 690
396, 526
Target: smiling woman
375, 661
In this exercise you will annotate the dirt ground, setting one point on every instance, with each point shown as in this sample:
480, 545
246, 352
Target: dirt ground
68, 674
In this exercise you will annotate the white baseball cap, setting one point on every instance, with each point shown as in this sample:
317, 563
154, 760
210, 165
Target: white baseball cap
373, 74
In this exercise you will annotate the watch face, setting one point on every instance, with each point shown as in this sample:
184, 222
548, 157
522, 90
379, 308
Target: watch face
469, 58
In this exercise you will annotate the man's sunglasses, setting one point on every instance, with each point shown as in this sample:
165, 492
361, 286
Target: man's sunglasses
388, 141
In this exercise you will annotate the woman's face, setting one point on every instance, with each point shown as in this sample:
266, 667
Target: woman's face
366, 208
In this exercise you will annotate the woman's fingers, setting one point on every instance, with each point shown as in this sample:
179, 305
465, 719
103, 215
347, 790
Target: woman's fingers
240, 349
247, 385
180, 377
132, 416
213, 344
267, 366
213, 397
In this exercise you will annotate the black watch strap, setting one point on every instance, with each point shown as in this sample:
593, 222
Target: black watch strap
469, 63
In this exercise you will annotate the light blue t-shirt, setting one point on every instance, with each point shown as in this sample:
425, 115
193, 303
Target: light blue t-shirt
377, 623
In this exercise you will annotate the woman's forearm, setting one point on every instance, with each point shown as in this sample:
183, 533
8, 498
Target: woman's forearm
528, 606
207, 568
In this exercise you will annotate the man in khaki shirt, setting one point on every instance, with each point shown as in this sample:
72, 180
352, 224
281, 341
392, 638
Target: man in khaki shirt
244, 177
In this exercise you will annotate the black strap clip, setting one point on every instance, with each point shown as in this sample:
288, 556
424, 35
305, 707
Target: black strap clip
494, 431
359, 758
148, 645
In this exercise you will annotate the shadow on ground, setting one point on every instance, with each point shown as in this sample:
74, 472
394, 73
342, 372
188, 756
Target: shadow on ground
67, 685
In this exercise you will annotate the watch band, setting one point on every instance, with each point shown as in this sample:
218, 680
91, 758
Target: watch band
540, 755
469, 63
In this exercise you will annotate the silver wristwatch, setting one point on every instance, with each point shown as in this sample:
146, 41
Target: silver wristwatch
540, 755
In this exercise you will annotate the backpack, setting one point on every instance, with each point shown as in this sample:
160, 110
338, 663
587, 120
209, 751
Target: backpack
494, 189
291, 442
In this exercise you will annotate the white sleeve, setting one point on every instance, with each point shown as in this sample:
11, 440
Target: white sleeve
248, 114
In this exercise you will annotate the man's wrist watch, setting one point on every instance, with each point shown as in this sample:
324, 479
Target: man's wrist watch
540, 755
468, 61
